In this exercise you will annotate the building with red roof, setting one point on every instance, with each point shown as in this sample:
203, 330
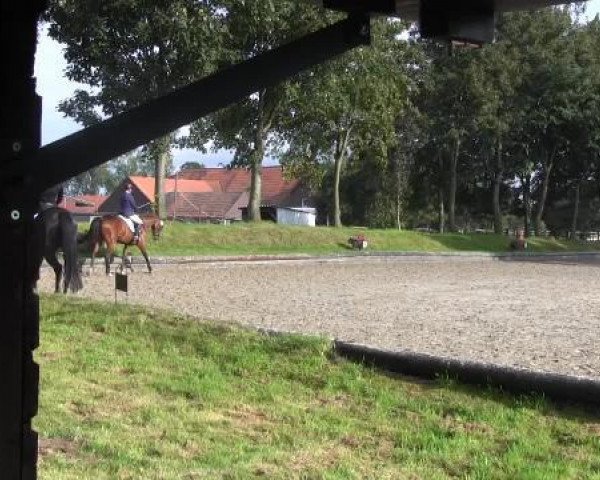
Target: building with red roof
212, 194
83, 207
276, 189
143, 191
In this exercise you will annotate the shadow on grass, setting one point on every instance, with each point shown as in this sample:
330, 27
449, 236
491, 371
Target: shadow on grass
472, 242
492, 243
575, 411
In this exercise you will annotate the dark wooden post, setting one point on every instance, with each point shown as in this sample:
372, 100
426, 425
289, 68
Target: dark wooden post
20, 121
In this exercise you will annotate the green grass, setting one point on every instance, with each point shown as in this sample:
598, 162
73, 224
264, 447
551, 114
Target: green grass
268, 238
132, 394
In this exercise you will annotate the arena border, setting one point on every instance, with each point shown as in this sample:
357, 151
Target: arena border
410, 256
569, 388
510, 379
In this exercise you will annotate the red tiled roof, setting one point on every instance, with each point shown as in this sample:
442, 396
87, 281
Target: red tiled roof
146, 185
218, 205
83, 204
274, 186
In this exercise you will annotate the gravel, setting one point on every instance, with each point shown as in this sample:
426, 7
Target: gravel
537, 314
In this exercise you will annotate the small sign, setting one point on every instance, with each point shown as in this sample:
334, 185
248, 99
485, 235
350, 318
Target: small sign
121, 282
121, 285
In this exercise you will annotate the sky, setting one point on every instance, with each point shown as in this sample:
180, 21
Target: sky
54, 87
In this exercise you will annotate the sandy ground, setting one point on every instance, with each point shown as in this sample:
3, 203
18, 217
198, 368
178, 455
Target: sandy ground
539, 315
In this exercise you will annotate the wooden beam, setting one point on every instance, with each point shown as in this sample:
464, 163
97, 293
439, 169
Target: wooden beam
20, 122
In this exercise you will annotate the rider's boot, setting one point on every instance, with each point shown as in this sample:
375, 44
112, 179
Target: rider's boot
136, 233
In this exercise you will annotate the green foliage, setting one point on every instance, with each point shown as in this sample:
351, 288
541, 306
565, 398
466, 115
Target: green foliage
92, 182
452, 132
348, 105
129, 51
107, 177
191, 166
249, 127
517, 114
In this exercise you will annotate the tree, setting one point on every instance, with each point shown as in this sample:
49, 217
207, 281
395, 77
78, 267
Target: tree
129, 51
494, 115
449, 103
581, 128
133, 163
191, 166
349, 105
543, 99
248, 127
410, 138
107, 177
495, 75
92, 182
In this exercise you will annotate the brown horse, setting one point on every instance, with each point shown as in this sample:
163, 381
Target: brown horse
112, 230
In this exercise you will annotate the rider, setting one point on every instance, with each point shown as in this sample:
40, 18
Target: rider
128, 209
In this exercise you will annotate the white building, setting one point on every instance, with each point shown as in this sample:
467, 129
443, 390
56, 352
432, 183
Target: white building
296, 216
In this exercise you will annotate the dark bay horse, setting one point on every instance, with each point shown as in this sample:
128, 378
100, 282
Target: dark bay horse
112, 230
59, 232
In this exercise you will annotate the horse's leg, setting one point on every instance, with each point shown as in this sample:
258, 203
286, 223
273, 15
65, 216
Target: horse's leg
95, 249
128, 260
142, 247
57, 267
72, 278
109, 256
124, 260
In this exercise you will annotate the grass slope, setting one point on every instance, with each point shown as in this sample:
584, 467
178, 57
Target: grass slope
130, 394
267, 238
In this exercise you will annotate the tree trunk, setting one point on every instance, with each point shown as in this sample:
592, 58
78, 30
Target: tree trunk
543, 195
442, 214
453, 167
255, 189
160, 152
398, 208
527, 203
255, 200
575, 211
498, 176
340, 153
337, 216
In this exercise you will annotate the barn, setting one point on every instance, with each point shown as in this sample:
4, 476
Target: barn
83, 207
217, 195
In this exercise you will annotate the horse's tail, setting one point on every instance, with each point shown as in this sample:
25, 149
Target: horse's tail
69, 238
93, 235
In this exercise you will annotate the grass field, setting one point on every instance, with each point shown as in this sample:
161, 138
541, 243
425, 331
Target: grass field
268, 238
133, 394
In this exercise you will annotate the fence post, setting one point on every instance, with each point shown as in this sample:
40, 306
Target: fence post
20, 121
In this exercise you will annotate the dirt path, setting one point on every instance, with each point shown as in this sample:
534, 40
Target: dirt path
544, 316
